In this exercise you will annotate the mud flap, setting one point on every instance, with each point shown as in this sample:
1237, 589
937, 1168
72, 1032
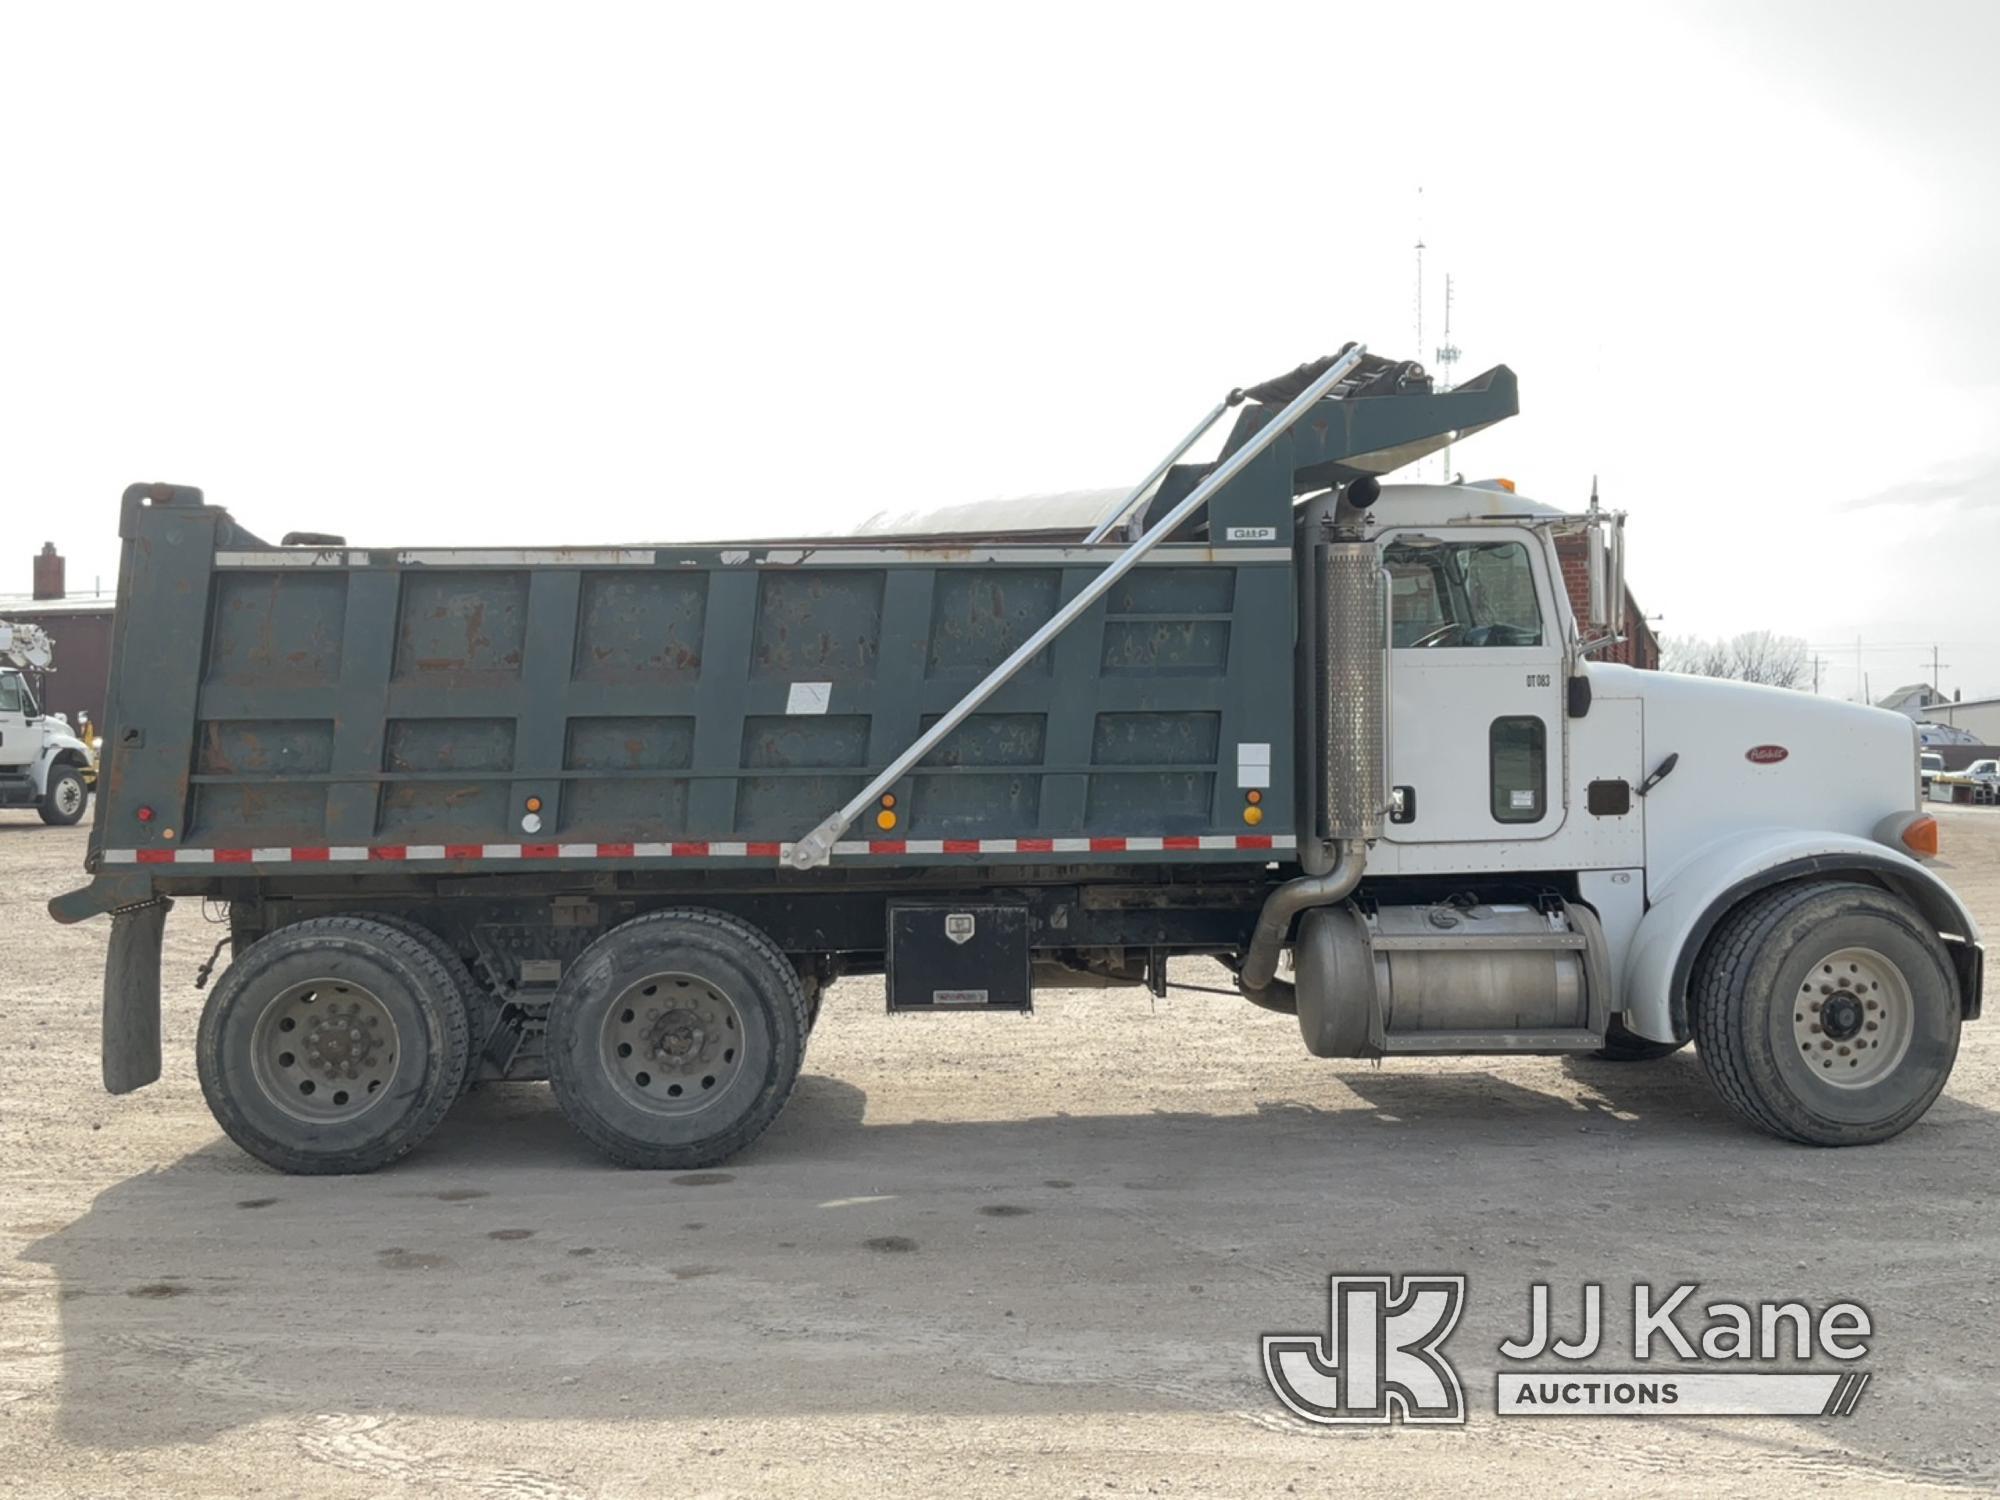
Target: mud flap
132, 997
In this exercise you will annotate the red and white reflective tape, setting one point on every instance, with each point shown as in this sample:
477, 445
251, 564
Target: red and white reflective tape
1234, 843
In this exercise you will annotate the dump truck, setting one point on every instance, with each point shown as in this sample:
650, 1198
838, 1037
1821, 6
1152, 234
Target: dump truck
616, 816
44, 763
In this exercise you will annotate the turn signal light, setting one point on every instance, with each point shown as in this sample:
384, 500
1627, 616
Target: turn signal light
145, 815
534, 804
885, 820
1920, 836
1253, 815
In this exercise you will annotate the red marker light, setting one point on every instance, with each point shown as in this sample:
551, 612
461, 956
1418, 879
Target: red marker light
145, 815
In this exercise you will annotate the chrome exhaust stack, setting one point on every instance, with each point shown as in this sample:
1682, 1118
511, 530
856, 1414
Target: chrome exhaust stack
1346, 602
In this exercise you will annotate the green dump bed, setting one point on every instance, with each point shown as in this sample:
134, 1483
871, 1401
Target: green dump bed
296, 706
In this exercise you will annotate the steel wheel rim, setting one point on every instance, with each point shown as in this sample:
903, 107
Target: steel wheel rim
1854, 1018
672, 1043
69, 796
325, 1050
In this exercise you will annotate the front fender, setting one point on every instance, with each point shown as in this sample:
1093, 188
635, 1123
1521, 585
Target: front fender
1681, 914
59, 747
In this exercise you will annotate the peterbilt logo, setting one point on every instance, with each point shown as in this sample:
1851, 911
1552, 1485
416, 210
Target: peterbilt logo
1765, 755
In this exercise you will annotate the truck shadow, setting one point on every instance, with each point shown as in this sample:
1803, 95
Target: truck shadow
1049, 1264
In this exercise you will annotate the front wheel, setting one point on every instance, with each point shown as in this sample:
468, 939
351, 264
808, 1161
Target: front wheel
65, 797
1826, 1013
676, 1038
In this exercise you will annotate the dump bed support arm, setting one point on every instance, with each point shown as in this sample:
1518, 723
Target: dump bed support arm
816, 848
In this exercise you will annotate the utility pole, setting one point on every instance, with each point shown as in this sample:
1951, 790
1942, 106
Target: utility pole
1937, 687
1817, 661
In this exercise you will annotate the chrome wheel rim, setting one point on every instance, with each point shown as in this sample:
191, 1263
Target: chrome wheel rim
69, 796
325, 1050
672, 1043
1853, 1018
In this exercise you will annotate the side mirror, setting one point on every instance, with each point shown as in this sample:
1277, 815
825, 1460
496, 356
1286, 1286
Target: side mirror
1598, 574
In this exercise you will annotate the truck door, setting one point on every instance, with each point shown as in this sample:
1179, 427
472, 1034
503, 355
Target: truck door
18, 744
1475, 688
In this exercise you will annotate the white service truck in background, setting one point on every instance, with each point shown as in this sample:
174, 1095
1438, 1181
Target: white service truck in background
43, 763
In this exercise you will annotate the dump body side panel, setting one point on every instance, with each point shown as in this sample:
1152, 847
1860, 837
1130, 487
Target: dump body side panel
293, 711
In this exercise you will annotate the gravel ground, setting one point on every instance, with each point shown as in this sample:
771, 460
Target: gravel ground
993, 1254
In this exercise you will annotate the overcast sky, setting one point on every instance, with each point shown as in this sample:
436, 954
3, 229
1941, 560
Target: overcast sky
424, 274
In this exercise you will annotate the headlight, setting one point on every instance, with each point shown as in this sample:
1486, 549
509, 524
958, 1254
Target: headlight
96, 743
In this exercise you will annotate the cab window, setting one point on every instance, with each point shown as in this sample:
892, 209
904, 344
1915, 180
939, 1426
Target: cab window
10, 693
1462, 594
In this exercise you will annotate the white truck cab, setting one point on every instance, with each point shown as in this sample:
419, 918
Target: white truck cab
1715, 830
43, 763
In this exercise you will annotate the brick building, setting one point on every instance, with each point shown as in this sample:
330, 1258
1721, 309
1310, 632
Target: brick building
81, 630
1640, 648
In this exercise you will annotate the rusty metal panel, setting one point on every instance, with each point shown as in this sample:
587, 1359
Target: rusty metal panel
461, 624
263, 747
818, 626
619, 800
432, 804
772, 806
1170, 622
641, 627
979, 617
1173, 756
1175, 591
276, 629
257, 801
1166, 648
952, 794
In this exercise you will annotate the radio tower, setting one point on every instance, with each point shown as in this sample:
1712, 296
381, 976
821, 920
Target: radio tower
1420, 294
1420, 272
1447, 358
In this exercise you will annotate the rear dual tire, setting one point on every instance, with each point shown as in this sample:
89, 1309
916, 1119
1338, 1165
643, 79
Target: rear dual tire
676, 1038
334, 1045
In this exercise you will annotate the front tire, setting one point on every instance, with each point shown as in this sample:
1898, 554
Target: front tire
676, 1038
1826, 1013
333, 1045
65, 797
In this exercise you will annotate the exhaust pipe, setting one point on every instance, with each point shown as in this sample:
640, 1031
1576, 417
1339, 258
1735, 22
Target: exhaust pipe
1350, 640
1258, 977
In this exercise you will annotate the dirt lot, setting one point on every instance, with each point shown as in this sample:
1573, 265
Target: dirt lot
998, 1255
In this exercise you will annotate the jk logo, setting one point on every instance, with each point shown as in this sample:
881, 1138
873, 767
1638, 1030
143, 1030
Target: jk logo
1380, 1361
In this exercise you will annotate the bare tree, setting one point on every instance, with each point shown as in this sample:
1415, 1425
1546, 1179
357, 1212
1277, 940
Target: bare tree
1753, 656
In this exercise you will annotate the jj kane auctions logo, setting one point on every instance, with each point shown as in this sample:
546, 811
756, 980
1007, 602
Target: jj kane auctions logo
1382, 1357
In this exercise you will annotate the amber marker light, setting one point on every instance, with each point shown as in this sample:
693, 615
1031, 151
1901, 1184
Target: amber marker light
1920, 837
